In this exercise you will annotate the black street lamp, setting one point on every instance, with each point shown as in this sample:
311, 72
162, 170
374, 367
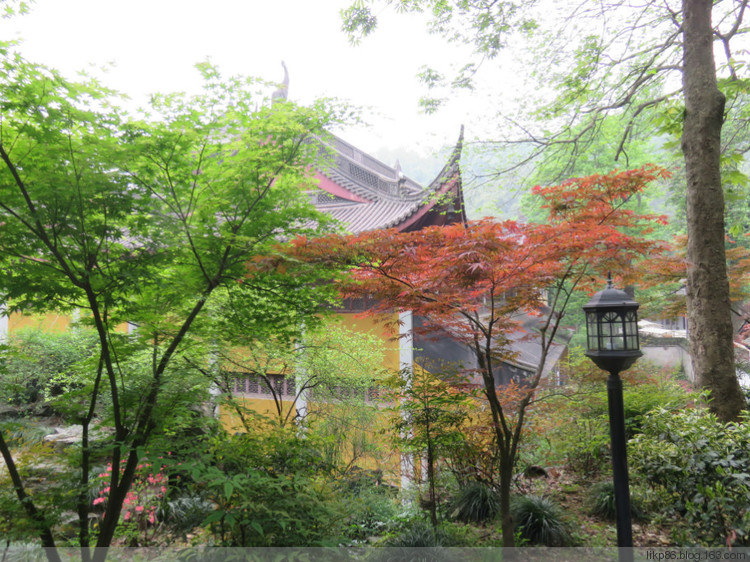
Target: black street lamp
612, 343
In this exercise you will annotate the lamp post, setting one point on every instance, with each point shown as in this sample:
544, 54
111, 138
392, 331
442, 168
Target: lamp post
612, 343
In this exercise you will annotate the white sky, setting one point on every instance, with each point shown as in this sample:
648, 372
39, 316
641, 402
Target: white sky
155, 43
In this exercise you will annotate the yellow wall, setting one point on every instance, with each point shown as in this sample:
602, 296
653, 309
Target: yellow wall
382, 327
49, 323
266, 407
52, 322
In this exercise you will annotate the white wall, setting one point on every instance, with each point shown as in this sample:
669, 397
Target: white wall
672, 356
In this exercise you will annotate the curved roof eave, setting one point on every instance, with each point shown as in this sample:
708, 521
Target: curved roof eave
449, 177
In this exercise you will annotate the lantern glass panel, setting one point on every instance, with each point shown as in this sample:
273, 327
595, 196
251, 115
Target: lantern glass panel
631, 330
592, 329
612, 331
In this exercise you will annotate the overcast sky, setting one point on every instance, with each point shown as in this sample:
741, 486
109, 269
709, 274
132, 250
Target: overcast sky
154, 44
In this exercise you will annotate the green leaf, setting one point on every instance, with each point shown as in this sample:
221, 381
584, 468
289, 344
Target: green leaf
258, 527
213, 517
228, 489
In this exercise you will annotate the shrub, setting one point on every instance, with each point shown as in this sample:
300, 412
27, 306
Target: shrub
185, 513
539, 521
33, 361
571, 425
700, 465
270, 490
371, 507
587, 446
46, 477
24, 433
418, 533
476, 503
419, 542
138, 518
600, 501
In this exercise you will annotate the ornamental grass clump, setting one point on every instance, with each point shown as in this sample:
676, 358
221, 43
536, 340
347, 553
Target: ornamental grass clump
600, 502
476, 503
539, 521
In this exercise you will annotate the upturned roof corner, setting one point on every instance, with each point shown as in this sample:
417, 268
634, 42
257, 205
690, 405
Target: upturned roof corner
365, 194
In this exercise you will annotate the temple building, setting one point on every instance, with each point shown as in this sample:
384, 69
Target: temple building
364, 194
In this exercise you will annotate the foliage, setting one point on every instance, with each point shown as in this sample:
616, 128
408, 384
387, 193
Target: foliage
478, 459
570, 424
271, 489
350, 430
601, 500
141, 502
184, 513
14, 7
144, 220
418, 533
486, 27
475, 503
372, 508
33, 362
48, 478
699, 465
330, 374
541, 522
275, 487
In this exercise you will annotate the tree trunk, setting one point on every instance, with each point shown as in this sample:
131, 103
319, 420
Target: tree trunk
507, 524
431, 483
709, 313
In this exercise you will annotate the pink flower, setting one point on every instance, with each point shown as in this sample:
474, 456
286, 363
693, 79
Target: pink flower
127, 515
151, 518
97, 501
139, 509
105, 490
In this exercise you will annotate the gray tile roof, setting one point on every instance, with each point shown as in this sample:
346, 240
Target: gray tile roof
373, 195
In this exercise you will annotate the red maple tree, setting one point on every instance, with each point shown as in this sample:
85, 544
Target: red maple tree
476, 281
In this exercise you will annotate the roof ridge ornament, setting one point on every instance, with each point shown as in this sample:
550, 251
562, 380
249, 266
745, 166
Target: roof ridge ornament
281, 94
